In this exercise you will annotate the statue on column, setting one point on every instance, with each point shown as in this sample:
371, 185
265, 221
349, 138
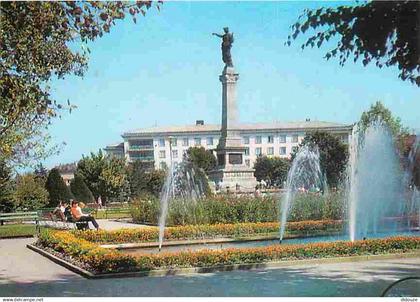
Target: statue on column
227, 41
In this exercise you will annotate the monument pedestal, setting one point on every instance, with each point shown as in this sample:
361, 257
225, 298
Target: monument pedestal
231, 173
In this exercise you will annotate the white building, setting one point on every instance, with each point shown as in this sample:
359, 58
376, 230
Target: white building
152, 145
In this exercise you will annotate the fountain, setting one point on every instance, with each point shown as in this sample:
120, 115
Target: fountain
181, 182
375, 187
413, 208
304, 174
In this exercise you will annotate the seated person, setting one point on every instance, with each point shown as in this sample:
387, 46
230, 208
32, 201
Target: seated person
59, 211
77, 214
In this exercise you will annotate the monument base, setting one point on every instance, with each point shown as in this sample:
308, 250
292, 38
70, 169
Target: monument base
231, 174
240, 179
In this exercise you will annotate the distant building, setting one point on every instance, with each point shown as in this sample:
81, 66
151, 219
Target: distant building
151, 145
67, 172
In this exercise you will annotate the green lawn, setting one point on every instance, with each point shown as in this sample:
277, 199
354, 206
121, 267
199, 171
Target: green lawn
16, 230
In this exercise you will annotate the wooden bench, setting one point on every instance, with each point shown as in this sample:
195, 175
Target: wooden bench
20, 217
46, 214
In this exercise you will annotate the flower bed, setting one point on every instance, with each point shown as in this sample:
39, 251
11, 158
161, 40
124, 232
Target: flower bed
101, 260
208, 231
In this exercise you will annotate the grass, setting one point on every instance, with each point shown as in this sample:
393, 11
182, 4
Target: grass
17, 230
101, 215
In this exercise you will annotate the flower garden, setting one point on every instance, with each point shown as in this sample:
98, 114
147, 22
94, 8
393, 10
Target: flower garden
84, 250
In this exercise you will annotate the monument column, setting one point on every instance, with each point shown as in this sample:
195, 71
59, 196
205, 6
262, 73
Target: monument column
229, 135
231, 172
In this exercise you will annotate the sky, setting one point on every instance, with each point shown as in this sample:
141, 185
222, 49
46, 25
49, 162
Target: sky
164, 71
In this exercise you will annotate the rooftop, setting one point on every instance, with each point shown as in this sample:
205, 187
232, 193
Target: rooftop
256, 126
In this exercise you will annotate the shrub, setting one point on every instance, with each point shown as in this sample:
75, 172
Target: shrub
207, 231
231, 209
100, 260
29, 194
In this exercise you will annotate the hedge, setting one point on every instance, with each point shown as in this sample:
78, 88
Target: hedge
207, 231
101, 260
232, 209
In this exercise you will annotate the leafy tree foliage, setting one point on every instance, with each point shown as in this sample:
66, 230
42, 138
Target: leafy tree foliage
378, 112
273, 170
201, 158
80, 190
332, 152
6, 188
104, 176
57, 189
29, 193
384, 32
144, 180
40, 41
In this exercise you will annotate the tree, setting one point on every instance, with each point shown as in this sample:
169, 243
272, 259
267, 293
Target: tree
41, 173
143, 180
104, 176
333, 155
29, 194
57, 189
6, 188
41, 41
384, 32
378, 112
201, 158
80, 190
273, 170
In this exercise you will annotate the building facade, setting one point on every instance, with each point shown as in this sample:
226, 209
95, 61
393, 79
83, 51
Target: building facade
156, 145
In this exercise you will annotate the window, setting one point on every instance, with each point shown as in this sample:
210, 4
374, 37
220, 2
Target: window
161, 142
197, 141
246, 140
209, 141
246, 151
185, 142
282, 138
174, 142
295, 138
258, 151
162, 154
282, 150
270, 139
174, 153
247, 162
258, 139
270, 151
163, 165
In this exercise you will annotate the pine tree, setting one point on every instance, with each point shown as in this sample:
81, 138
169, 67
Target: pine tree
57, 189
80, 190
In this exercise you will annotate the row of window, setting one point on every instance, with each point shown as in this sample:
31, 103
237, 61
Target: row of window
210, 142
186, 142
270, 151
270, 139
258, 151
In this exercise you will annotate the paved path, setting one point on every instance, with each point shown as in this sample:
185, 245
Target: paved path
26, 273
106, 224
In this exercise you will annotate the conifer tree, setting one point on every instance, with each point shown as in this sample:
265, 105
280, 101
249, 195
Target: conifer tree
57, 189
80, 190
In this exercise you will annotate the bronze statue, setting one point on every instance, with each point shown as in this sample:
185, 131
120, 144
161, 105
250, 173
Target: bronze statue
227, 40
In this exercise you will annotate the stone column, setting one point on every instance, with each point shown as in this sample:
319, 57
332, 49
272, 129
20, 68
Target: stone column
229, 134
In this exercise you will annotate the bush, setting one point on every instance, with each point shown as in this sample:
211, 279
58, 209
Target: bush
230, 209
208, 231
100, 260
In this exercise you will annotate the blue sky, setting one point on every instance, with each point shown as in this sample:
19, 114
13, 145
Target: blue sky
164, 71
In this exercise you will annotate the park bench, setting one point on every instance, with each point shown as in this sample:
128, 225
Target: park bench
45, 214
20, 217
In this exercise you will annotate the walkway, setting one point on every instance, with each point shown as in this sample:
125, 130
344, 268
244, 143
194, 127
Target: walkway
26, 273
